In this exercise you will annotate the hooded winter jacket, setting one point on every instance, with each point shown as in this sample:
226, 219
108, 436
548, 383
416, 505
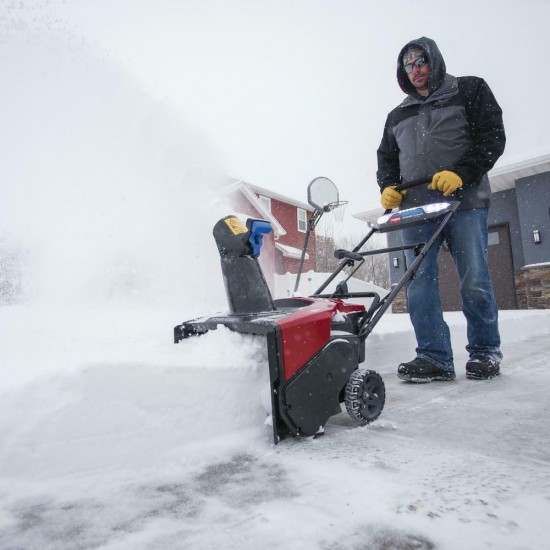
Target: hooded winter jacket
458, 127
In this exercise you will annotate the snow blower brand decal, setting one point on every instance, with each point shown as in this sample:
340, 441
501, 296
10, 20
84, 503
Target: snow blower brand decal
236, 226
412, 212
406, 214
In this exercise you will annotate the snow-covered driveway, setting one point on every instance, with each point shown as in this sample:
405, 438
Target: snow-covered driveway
114, 438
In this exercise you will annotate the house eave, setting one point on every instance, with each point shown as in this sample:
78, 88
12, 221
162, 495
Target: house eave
504, 177
290, 251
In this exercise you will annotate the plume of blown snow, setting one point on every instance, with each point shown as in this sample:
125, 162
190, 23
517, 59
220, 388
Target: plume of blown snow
105, 193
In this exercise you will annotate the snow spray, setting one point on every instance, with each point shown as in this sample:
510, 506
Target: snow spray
105, 194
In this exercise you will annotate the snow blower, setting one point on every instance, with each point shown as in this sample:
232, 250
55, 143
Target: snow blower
315, 344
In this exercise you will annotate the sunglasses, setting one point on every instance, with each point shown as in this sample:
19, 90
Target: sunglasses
420, 62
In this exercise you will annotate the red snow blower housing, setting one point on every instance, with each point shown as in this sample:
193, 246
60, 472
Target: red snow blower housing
316, 344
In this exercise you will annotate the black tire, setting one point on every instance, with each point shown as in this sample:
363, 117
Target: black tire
365, 395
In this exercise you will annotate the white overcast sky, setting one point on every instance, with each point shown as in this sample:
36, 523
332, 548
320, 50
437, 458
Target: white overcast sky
288, 90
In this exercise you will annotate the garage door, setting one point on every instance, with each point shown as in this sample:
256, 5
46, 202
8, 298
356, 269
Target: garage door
500, 267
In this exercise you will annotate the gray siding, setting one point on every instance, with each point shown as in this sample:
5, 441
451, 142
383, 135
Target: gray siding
394, 239
533, 200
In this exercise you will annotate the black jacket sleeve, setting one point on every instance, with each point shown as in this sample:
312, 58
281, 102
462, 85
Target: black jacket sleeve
388, 158
486, 129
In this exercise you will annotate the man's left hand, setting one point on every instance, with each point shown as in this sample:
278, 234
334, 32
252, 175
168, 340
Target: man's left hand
447, 182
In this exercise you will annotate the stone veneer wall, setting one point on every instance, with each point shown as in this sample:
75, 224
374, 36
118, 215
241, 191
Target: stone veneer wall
533, 287
399, 304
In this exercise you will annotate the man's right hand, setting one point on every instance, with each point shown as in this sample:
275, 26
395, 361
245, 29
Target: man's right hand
391, 198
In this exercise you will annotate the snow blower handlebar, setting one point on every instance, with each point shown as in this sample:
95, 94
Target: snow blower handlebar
349, 257
390, 222
408, 185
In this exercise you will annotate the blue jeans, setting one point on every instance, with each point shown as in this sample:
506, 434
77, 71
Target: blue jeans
466, 235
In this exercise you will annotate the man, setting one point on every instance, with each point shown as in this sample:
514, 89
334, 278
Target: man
448, 130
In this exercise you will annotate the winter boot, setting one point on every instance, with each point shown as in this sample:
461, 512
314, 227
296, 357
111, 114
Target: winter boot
481, 367
420, 370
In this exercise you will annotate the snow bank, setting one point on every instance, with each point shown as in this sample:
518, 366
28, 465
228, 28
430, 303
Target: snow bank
145, 399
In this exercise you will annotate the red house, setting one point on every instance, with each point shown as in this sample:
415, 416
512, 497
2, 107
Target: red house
282, 248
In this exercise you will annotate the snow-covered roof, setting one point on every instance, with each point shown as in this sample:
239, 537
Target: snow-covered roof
279, 197
290, 251
504, 177
501, 178
369, 216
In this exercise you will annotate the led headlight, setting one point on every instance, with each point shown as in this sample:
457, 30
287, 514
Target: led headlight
436, 207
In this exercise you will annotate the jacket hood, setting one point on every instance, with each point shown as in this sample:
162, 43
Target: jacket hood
437, 66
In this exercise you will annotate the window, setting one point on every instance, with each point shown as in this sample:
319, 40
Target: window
266, 201
302, 220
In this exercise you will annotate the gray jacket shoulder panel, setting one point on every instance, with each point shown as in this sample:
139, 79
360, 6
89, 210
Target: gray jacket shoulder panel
435, 138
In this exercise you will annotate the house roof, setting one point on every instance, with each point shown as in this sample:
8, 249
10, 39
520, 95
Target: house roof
504, 177
290, 251
501, 178
279, 197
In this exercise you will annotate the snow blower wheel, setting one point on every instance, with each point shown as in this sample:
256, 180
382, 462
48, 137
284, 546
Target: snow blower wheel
365, 395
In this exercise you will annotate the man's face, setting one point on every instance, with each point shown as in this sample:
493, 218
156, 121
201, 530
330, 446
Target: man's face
419, 75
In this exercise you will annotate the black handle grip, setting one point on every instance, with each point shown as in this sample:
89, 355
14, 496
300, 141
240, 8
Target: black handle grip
409, 184
341, 254
413, 183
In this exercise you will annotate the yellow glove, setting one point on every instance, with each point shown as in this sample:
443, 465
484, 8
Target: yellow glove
391, 198
447, 182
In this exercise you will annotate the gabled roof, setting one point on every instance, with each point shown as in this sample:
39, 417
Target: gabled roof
501, 178
369, 216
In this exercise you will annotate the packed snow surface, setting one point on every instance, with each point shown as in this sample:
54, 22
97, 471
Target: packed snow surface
115, 438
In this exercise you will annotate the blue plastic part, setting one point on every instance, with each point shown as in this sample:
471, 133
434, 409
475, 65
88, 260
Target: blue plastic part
258, 228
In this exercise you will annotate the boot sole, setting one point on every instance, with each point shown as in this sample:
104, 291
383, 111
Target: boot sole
417, 380
478, 376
